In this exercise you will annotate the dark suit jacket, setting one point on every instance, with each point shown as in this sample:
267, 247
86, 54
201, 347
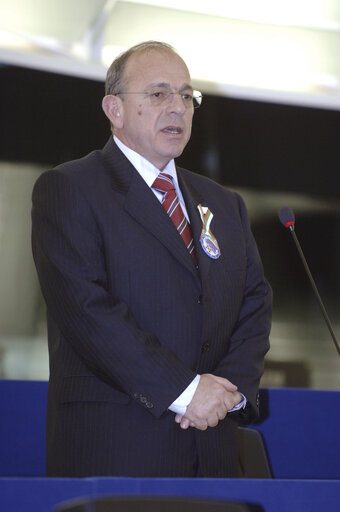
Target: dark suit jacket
131, 320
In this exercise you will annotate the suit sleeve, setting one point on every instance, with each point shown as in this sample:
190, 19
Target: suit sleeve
243, 364
68, 253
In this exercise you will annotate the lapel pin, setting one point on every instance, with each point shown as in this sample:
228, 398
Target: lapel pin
208, 242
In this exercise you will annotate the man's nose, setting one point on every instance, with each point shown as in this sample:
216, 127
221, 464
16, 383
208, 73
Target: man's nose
176, 103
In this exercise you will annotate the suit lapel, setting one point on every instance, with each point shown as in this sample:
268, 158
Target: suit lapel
143, 206
192, 199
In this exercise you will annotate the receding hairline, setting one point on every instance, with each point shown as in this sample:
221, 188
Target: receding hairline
117, 70
148, 51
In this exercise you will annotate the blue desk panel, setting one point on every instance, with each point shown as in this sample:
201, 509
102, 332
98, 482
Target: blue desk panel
300, 429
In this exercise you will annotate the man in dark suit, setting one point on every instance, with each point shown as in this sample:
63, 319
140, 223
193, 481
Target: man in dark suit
158, 310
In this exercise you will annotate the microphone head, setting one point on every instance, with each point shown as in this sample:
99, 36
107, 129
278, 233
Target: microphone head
287, 217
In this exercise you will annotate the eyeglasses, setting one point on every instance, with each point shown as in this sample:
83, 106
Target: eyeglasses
163, 96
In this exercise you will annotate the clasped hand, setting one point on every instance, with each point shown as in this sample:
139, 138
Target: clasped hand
213, 398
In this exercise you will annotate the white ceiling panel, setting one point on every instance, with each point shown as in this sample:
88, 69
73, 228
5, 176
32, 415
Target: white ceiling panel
286, 52
66, 20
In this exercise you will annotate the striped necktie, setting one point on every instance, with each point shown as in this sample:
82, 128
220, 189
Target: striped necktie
163, 183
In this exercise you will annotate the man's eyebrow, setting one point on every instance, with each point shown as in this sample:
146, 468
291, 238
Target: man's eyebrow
185, 87
166, 85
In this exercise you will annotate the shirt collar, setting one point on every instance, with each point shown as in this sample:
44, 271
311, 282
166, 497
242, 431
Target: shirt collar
146, 169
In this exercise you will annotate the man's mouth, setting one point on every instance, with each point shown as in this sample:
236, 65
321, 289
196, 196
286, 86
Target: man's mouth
175, 130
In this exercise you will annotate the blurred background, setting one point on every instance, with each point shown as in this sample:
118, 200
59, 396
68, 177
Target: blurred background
269, 127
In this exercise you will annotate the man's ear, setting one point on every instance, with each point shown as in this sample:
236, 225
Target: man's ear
112, 106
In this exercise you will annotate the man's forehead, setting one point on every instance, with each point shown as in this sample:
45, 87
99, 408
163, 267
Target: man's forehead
152, 64
154, 53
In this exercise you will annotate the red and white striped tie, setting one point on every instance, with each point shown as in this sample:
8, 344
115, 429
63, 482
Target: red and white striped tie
163, 183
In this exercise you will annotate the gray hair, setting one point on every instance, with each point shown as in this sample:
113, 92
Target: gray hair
115, 75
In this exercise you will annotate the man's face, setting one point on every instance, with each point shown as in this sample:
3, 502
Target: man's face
159, 133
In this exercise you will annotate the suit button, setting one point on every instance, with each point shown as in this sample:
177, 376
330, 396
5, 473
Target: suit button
143, 399
205, 347
199, 300
136, 395
149, 405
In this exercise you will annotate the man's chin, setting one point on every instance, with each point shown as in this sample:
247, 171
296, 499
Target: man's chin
174, 152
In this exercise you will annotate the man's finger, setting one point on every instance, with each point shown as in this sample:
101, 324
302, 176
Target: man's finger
229, 386
185, 423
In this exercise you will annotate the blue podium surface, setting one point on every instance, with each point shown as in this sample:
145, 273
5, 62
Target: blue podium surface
43, 494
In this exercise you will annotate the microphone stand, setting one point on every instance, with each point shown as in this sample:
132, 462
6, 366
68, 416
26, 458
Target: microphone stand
322, 307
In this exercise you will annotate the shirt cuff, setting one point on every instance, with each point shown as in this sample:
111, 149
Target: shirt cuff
240, 405
179, 406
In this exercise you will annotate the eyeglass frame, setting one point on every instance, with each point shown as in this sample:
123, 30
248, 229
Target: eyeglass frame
195, 96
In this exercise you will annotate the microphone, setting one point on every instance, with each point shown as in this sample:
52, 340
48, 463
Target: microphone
287, 218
